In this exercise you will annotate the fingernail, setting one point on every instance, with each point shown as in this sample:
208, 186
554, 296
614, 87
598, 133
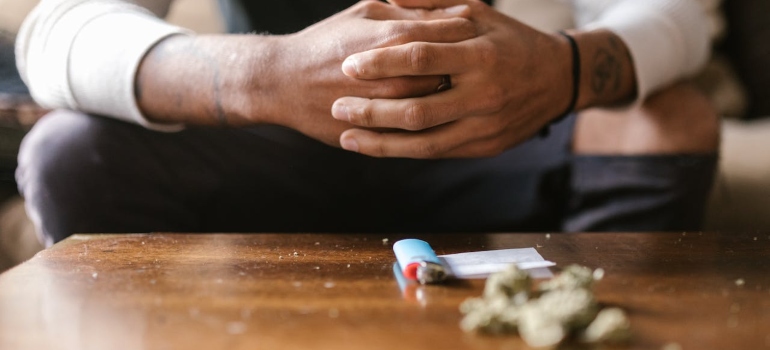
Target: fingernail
349, 144
454, 10
340, 112
350, 66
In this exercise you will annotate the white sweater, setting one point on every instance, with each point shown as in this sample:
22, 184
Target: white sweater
84, 54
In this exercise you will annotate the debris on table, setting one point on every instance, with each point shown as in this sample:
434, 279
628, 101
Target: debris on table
558, 309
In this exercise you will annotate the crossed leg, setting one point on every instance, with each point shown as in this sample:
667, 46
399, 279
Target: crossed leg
646, 168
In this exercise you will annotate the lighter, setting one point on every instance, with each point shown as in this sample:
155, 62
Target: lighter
418, 261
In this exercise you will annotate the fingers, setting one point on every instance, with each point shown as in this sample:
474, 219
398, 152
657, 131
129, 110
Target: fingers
429, 4
424, 112
405, 114
431, 144
451, 30
380, 11
398, 88
439, 31
412, 59
447, 141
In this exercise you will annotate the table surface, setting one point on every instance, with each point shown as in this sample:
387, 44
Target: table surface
314, 291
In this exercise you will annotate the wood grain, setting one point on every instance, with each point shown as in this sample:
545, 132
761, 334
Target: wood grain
251, 291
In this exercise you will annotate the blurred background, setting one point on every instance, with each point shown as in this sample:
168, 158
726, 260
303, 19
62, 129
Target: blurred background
737, 80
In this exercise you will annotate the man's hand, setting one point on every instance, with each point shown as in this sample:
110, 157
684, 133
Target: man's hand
289, 80
507, 84
312, 58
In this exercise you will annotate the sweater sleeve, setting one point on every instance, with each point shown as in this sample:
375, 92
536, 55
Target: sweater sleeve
84, 55
668, 39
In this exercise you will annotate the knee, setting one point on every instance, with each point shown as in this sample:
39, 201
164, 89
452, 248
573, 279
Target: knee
677, 120
59, 162
63, 145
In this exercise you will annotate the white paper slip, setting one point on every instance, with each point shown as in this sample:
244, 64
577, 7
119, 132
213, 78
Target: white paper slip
482, 264
483, 270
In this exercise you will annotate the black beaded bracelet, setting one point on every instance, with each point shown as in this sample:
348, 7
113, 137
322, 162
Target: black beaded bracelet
575, 85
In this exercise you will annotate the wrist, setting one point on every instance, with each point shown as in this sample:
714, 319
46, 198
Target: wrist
563, 94
251, 76
575, 64
607, 71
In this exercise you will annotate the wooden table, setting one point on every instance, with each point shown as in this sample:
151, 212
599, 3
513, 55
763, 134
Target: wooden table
310, 291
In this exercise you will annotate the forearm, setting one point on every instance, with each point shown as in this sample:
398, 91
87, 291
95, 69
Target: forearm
207, 80
667, 39
115, 59
607, 75
288, 80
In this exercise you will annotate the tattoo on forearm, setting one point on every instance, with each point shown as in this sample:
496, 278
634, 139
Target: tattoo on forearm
213, 64
607, 72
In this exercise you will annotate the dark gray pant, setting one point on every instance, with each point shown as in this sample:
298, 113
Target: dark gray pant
86, 174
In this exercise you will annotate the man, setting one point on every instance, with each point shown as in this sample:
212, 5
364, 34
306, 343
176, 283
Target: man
231, 124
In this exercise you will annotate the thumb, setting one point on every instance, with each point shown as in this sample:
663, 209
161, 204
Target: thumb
427, 4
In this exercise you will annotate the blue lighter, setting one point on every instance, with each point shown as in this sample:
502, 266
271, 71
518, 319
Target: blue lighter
418, 261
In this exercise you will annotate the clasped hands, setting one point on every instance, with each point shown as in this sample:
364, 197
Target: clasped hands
377, 68
508, 81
